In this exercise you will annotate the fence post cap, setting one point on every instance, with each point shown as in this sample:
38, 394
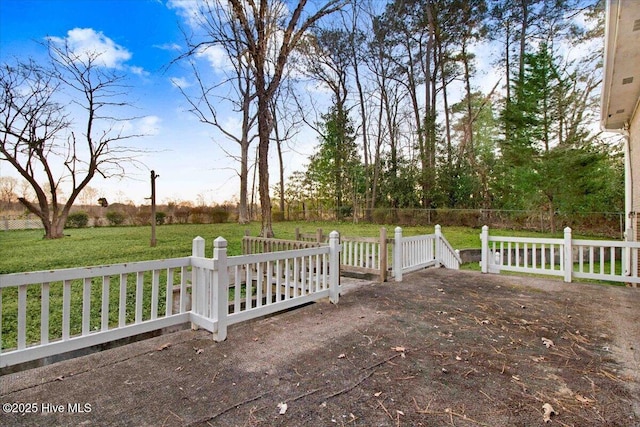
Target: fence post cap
398, 229
567, 229
334, 234
485, 228
198, 238
220, 242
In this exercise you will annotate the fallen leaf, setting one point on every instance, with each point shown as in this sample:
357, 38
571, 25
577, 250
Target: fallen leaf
548, 412
199, 351
377, 394
458, 358
583, 399
282, 407
164, 346
399, 412
547, 342
342, 356
398, 348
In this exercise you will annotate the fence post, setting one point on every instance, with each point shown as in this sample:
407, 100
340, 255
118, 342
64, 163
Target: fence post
438, 248
334, 267
220, 292
297, 233
484, 252
629, 258
568, 255
319, 236
197, 250
383, 254
397, 255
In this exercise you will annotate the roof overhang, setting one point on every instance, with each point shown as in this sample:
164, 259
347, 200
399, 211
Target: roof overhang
621, 83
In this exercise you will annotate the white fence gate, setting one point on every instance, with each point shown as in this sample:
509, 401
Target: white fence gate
417, 252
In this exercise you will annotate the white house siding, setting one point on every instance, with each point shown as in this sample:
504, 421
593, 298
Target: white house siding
634, 144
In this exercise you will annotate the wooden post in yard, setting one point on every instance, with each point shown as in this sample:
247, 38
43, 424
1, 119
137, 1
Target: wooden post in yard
153, 208
383, 254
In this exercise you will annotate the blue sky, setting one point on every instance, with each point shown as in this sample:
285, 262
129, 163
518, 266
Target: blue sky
141, 37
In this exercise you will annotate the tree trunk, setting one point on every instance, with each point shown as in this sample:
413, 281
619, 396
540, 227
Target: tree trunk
281, 168
243, 211
264, 131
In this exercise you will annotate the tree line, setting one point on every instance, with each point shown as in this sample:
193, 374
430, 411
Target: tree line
466, 104
409, 124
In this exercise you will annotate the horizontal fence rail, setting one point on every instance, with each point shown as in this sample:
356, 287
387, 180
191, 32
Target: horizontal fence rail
614, 261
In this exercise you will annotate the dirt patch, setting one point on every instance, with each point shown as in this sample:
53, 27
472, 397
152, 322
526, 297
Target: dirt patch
441, 348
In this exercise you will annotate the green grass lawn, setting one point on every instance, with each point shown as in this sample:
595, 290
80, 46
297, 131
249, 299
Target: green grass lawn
26, 250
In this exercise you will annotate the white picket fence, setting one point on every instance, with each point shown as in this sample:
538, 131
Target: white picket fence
372, 255
569, 258
418, 252
65, 310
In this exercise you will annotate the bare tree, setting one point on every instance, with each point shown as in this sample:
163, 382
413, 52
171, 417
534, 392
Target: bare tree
223, 34
36, 134
270, 34
8, 186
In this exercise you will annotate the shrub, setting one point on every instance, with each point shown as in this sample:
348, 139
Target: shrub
199, 214
77, 220
182, 215
219, 215
380, 215
115, 217
344, 211
160, 217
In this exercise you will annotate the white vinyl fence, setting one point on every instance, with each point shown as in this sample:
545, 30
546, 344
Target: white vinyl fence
615, 261
46, 313
371, 255
417, 252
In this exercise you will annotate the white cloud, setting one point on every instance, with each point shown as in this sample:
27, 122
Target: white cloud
187, 9
87, 42
149, 125
216, 56
138, 71
180, 82
168, 46
144, 126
